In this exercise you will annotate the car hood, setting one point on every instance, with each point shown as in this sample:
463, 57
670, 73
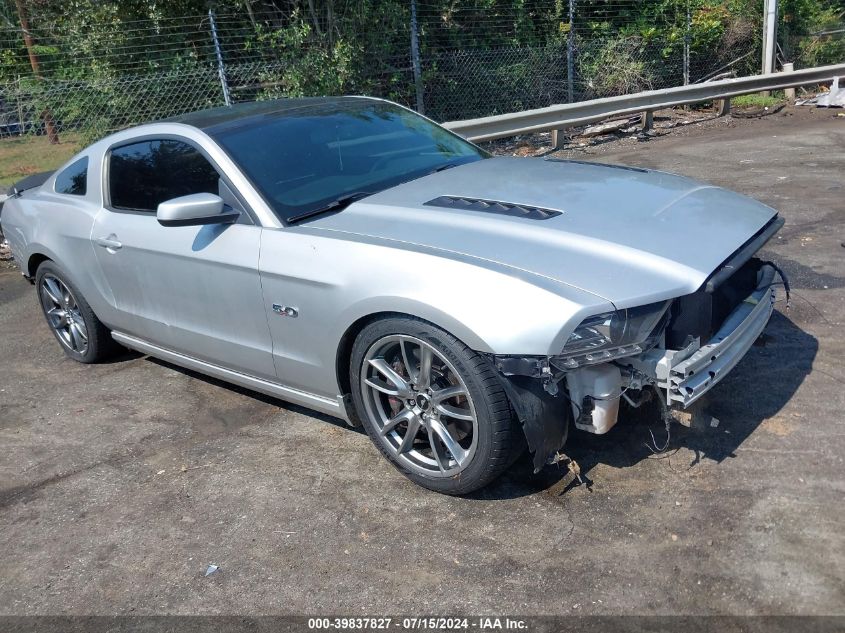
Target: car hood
630, 236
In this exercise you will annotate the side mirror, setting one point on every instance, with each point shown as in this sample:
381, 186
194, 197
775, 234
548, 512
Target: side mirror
195, 210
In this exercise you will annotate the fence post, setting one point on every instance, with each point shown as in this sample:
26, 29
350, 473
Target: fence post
686, 46
19, 105
789, 93
559, 136
570, 55
221, 70
415, 59
770, 16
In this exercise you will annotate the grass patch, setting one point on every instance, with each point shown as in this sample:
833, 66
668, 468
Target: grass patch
26, 155
756, 101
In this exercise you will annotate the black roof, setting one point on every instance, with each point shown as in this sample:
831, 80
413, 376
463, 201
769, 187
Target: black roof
243, 112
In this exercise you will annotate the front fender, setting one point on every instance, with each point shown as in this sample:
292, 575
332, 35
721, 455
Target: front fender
336, 279
491, 307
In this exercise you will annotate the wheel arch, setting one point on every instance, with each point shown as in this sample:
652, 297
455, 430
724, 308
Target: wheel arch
32, 264
36, 254
347, 340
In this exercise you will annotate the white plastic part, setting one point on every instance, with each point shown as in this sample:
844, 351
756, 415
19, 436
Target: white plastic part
604, 384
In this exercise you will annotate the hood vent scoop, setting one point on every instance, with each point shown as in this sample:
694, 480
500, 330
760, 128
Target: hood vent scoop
493, 206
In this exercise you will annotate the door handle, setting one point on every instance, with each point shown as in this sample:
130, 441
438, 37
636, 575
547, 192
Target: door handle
107, 242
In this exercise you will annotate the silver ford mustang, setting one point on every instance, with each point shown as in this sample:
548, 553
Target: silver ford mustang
351, 256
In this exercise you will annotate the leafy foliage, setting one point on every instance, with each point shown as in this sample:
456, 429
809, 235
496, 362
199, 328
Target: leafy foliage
109, 63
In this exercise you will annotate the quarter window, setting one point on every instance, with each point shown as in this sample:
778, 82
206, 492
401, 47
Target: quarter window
73, 180
143, 175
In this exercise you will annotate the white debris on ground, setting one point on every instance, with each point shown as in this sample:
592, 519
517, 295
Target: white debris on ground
833, 98
5, 251
6, 260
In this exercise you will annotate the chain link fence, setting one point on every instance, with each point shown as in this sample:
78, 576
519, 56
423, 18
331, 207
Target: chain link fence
807, 50
473, 83
467, 61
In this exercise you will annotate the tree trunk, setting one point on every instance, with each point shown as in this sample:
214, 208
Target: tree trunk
249, 12
314, 19
46, 115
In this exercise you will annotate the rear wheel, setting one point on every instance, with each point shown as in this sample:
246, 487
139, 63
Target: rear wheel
435, 408
81, 334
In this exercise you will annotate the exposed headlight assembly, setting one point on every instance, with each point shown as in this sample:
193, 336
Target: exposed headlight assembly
610, 335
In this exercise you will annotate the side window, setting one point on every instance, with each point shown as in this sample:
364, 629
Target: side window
73, 180
144, 174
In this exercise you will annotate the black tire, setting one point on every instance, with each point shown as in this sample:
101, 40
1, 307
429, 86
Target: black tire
499, 436
99, 344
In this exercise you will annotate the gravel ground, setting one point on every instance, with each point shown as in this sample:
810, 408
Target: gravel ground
121, 483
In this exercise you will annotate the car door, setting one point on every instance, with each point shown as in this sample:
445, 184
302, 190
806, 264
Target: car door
194, 290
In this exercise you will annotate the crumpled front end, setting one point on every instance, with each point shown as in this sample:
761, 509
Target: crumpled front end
688, 374
690, 345
698, 348
684, 375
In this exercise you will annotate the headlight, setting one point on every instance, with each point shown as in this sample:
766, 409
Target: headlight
610, 335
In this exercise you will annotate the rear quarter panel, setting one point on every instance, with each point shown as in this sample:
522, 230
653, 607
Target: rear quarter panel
41, 223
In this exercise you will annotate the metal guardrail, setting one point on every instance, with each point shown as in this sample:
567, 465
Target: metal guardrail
567, 115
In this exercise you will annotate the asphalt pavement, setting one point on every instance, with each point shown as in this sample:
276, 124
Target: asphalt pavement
121, 483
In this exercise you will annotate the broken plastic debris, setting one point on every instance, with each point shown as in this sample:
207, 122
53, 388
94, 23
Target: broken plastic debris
835, 97
211, 569
571, 464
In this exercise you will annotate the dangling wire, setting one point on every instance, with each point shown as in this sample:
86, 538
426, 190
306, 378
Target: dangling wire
783, 278
667, 419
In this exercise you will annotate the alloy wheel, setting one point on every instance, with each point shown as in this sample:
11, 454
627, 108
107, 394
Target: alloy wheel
420, 406
63, 314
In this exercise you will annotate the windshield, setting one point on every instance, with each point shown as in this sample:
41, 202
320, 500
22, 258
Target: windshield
303, 160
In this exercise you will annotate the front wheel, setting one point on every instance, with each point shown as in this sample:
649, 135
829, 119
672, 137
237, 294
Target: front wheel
435, 408
81, 334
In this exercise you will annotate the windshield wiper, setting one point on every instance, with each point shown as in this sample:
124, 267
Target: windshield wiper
335, 205
443, 168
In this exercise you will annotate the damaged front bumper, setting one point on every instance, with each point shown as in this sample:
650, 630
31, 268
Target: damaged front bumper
687, 374
546, 399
